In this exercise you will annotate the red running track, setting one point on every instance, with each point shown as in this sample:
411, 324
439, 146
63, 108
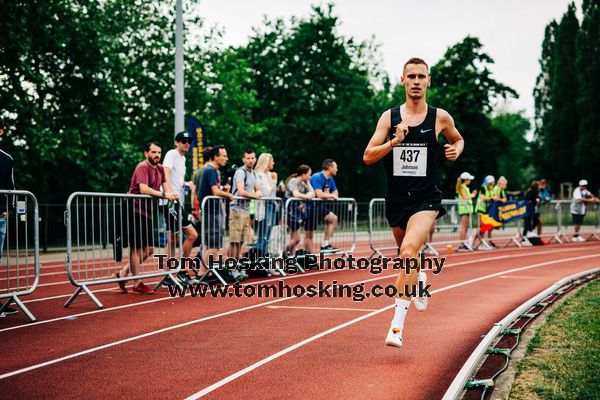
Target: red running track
309, 348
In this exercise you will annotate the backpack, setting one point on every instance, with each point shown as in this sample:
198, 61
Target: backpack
234, 186
259, 266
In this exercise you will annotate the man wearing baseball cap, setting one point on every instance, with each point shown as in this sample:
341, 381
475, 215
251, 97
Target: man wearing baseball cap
581, 196
174, 166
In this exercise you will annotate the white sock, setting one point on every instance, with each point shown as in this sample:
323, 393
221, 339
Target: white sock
400, 312
325, 243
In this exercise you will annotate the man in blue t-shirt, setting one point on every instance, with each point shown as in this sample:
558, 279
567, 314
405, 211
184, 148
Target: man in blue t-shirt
212, 212
325, 189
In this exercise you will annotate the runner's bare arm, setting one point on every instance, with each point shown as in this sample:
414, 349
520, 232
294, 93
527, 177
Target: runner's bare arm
379, 146
455, 140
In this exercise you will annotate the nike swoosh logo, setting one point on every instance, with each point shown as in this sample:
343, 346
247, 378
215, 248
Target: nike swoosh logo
426, 130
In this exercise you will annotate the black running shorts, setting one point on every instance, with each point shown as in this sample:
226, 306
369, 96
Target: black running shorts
398, 210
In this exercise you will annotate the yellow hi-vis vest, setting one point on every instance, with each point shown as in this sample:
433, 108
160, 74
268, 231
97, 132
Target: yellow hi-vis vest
496, 191
482, 204
464, 206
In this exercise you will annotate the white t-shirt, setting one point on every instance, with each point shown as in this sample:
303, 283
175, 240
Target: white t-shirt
266, 183
176, 163
578, 207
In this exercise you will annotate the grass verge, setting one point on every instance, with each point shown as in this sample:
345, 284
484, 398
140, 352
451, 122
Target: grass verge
563, 358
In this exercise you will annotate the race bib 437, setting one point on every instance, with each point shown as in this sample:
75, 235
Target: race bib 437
410, 159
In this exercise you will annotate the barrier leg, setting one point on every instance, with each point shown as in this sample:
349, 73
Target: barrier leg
173, 279
88, 292
429, 250
19, 303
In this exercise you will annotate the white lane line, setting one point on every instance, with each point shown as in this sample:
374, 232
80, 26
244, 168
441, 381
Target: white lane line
293, 347
320, 308
141, 303
531, 253
235, 311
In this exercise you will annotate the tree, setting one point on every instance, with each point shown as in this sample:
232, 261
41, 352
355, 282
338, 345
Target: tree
561, 136
84, 86
316, 97
588, 93
542, 95
514, 153
463, 85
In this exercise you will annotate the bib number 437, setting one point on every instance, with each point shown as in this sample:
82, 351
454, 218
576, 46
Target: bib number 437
410, 161
409, 155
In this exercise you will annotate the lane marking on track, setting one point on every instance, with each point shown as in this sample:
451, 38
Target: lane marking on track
276, 355
322, 308
146, 302
293, 347
499, 257
356, 255
520, 277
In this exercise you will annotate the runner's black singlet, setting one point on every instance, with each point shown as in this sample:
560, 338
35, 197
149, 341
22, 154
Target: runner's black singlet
411, 166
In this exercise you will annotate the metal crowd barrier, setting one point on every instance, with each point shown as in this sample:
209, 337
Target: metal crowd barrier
555, 217
101, 226
320, 219
380, 235
591, 221
551, 215
230, 230
507, 234
19, 248
446, 231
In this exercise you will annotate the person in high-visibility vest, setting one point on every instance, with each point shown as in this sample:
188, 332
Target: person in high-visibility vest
498, 194
465, 205
485, 198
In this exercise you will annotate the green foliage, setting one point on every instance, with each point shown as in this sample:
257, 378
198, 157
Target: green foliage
513, 155
561, 136
83, 85
315, 97
588, 92
463, 85
567, 97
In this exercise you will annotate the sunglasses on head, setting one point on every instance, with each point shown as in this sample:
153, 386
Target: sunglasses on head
186, 141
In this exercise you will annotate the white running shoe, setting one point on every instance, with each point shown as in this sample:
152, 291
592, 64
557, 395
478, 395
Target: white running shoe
578, 239
394, 338
421, 302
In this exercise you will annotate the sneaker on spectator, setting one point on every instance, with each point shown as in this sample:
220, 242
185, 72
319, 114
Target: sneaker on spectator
9, 310
168, 282
237, 275
185, 278
142, 289
329, 249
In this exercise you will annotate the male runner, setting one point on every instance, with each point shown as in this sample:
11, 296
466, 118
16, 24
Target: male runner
406, 138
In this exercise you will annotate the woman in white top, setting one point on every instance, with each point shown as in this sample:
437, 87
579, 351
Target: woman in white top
265, 209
